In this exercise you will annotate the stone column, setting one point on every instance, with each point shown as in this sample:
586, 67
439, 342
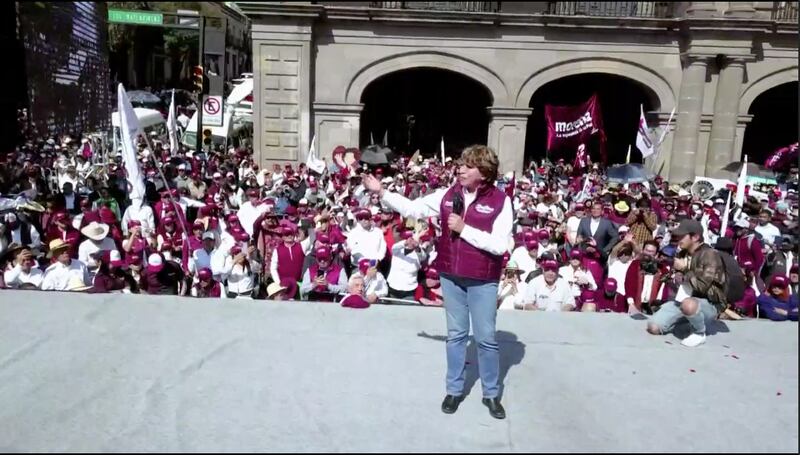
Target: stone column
726, 113
690, 109
281, 91
740, 9
336, 124
702, 9
507, 129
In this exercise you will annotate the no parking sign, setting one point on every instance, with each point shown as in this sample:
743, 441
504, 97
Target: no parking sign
212, 111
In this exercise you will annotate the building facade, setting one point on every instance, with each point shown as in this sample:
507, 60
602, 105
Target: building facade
315, 62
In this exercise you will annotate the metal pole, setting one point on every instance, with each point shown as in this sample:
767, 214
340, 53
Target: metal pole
199, 135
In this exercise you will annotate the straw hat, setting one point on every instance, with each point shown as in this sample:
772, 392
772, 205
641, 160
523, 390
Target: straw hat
274, 288
56, 246
95, 231
76, 284
621, 206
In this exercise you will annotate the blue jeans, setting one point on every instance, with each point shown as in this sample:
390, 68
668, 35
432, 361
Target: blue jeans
464, 297
670, 314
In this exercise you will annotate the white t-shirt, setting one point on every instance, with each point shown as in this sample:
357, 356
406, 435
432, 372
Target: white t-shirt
618, 270
549, 298
509, 301
768, 232
404, 268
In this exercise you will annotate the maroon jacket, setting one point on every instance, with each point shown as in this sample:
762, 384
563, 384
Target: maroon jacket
752, 252
457, 257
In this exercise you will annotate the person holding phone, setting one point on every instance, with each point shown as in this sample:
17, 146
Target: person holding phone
324, 279
375, 285
477, 221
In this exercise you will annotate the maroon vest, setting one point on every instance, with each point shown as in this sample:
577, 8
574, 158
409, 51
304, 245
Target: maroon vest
290, 263
457, 257
332, 275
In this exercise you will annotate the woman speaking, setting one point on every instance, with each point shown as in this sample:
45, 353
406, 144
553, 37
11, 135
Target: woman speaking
476, 220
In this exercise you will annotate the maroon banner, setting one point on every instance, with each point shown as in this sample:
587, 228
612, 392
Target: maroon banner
782, 158
570, 126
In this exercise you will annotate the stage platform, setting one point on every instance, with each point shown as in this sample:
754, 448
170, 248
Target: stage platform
141, 373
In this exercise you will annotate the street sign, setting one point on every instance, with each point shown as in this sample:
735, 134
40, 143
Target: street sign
212, 111
135, 17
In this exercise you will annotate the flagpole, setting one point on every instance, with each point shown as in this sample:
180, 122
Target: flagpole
442, 147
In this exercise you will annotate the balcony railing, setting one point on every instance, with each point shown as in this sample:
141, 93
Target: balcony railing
613, 9
472, 7
785, 12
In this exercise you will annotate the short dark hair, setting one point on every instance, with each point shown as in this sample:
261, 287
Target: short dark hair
651, 242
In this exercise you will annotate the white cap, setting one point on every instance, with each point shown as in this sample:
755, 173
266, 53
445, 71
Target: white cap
719, 200
154, 259
742, 223
709, 203
303, 201
387, 180
217, 175
115, 256
208, 235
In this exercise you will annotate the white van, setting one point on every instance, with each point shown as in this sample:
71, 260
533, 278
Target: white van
149, 120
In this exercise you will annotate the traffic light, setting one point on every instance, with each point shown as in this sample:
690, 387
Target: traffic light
200, 80
207, 136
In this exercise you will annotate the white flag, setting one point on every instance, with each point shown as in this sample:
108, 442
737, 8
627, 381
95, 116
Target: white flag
643, 141
128, 132
172, 127
442, 147
726, 216
312, 161
739, 201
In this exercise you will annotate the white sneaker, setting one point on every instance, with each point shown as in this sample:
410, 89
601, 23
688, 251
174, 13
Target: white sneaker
694, 340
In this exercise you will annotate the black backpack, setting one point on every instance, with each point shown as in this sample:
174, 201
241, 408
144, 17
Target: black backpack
734, 278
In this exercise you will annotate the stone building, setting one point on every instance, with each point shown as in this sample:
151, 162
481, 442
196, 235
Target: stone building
482, 71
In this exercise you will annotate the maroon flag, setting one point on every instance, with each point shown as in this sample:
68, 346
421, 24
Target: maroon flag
782, 157
570, 126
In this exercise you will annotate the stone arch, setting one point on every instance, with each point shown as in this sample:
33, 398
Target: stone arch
426, 59
765, 83
645, 76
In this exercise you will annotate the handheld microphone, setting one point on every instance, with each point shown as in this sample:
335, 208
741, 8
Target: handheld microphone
458, 209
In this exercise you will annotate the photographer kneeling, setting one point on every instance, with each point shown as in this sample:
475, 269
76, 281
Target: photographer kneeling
701, 297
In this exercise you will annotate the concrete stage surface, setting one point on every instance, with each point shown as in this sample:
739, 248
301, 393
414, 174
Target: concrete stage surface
143, 373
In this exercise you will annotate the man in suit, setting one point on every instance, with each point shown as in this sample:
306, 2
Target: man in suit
602, 230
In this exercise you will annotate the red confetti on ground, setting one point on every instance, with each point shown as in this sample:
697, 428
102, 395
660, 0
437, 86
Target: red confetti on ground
692, 370
735, 356
779, 394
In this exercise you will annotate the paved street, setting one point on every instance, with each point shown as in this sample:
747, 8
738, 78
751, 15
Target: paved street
134, 373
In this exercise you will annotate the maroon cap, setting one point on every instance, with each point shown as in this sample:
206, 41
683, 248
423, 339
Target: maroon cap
204, 274
363, 215
432, 274
532, 244
549, 265
405, 235
576, 254
778, 281
544, 235
323, 253
611, 285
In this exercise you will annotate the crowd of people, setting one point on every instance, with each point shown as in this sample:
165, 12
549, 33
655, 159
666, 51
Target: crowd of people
217, 225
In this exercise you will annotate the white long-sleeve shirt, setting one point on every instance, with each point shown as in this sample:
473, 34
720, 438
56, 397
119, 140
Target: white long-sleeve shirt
248, 215
404, 268
201, 259
239, 279
524, 261
376, 285
16, 277
88, 247
58, 275
549, 298
495, 242
366, 244
571, 276
143, 215
509, 301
